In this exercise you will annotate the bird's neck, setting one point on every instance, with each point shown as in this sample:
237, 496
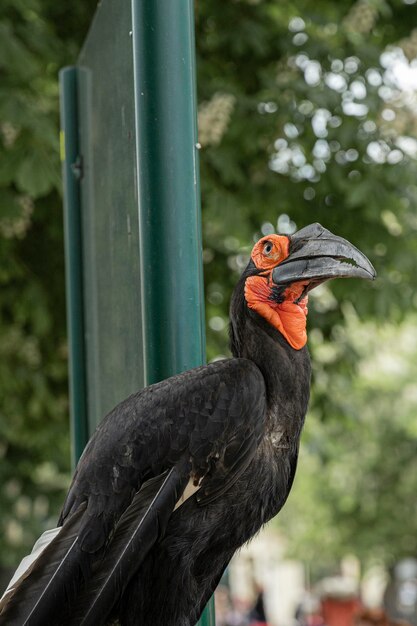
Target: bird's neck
286, 371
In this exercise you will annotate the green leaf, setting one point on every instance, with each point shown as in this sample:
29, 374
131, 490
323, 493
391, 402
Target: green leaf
10, 209
38, 174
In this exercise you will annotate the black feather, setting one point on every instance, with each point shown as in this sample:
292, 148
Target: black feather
50, 582
228, 470
142, 524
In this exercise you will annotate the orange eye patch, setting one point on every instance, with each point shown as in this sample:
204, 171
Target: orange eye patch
269, 251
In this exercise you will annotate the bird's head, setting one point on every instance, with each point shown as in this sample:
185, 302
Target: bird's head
283, 269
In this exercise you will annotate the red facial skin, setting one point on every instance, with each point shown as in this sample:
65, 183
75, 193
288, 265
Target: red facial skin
288, 317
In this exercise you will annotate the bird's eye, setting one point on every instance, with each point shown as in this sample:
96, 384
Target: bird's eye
268, 248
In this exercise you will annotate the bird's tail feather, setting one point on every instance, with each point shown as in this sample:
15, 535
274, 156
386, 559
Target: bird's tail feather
50, 582
142, 524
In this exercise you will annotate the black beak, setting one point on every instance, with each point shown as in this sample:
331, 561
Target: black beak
317, 255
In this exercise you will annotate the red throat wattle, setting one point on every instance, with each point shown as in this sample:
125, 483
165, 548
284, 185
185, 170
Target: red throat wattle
289, 316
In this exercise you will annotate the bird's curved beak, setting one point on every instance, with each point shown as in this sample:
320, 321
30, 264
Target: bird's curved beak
316, 255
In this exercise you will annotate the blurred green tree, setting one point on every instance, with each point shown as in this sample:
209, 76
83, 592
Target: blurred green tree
36, 39
307, 114
324, 117
356, 485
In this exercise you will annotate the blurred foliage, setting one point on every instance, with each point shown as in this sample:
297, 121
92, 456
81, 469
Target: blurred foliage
323, 128
307, 114
36, 39
356, 484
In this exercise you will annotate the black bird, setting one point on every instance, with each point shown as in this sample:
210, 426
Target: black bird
178, 476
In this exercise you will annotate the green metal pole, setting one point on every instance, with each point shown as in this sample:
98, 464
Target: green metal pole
168, 190
168, 186
73, 256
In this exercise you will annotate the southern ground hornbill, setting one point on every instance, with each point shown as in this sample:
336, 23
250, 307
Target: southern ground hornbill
182, 473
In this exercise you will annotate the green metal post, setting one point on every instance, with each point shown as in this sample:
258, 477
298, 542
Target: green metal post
208, 617
168, 190
168, 186
73, 253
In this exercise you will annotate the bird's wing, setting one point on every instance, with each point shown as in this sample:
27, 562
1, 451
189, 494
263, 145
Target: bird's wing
211, 414
203, 424
26, 602
139, 527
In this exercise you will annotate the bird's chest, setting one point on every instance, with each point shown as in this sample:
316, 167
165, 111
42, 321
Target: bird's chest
257, 496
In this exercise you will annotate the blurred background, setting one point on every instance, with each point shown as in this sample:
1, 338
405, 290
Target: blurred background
307, 112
